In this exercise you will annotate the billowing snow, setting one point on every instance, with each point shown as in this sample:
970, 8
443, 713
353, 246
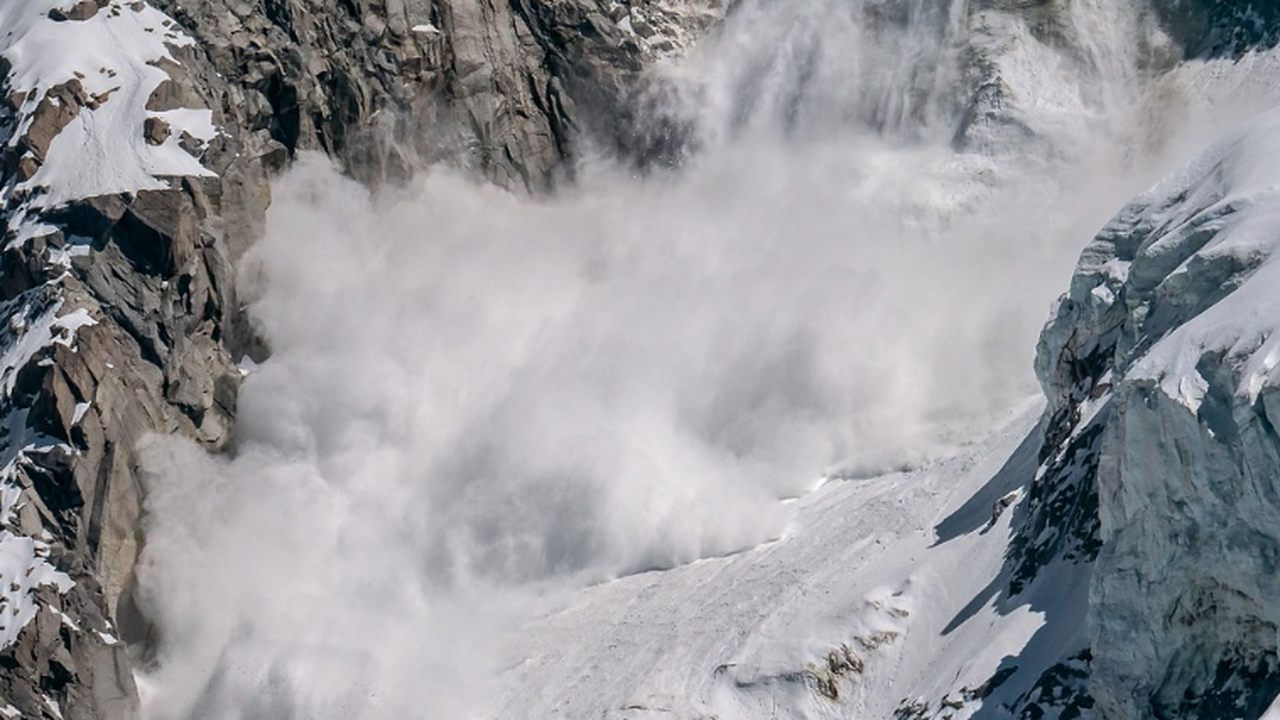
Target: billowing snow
484, 391
884, 591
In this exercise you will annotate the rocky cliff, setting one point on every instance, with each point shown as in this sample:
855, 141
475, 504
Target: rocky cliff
1161, 362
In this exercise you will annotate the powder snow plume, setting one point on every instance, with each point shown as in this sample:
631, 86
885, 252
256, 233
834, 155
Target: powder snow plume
477, 402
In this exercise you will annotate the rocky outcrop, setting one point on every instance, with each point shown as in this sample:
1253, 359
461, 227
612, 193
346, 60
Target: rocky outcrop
505, 90
1160, 370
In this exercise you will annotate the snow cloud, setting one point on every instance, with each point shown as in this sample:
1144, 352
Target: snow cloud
475, 398
476, 401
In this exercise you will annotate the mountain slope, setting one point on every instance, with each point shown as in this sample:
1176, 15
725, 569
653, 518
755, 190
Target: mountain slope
1117, 563
856, 611
1173, 305
138, 143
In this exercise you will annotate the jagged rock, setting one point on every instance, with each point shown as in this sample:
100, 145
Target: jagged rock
82, 10
156, 131
59, 106
500, 89
1159, 363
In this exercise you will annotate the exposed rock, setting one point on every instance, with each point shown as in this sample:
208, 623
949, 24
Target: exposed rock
1220, 27
59, 106
388, 86
82, 10
1158, 367
156, 131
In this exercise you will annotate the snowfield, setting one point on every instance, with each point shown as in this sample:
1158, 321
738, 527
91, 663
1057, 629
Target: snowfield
885, 593
100, 73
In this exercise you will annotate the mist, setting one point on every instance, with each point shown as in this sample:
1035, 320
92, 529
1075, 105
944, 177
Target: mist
477, 402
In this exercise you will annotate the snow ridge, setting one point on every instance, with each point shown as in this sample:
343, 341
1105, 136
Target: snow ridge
1162, 359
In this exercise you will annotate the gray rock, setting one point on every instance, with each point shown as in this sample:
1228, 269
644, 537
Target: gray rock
82, 10
1162, 458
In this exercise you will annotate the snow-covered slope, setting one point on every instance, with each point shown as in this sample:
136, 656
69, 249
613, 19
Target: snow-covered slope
884, 598
1155, 456
970, 588
87, 123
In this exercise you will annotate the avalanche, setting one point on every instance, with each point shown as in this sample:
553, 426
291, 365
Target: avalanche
750, 436
883, 596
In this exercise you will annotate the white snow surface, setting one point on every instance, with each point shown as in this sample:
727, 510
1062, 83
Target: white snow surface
1239, 182
901, 571
113, 54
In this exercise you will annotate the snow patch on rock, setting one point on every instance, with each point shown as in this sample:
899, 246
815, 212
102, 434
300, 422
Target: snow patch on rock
24, 563
84, 87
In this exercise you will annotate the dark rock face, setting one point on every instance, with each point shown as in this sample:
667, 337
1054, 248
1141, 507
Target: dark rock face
156, 285
502, 89
1220, 28
357, 81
